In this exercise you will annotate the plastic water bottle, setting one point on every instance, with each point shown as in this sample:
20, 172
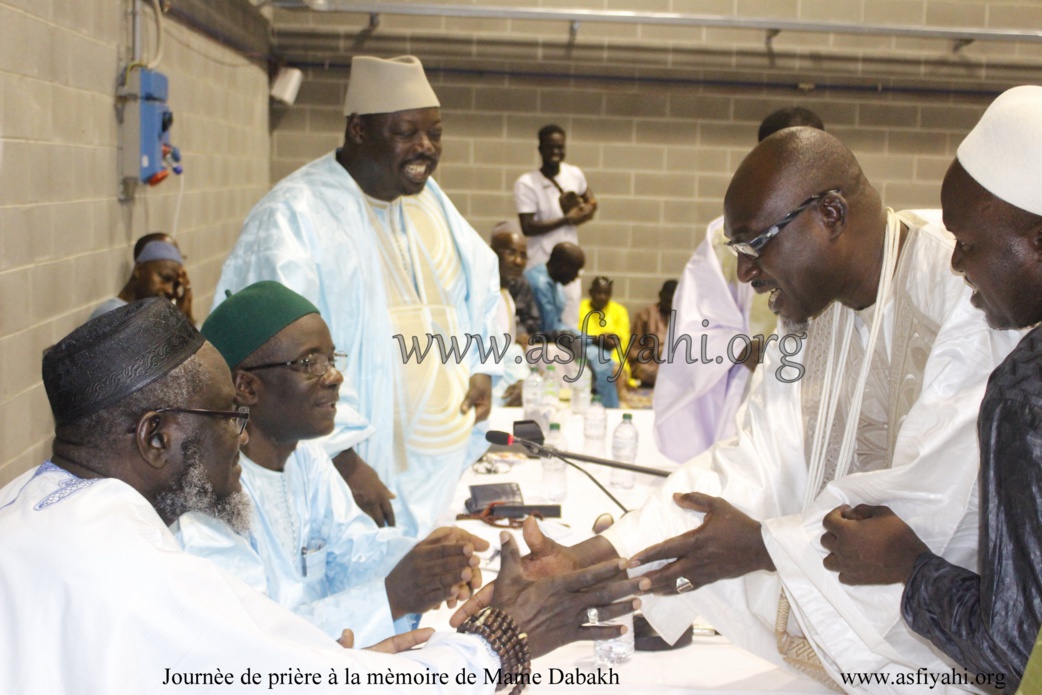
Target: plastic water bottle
624, 448
550, 386
555, 471
615, 651
532, 392
581, 389
595, 422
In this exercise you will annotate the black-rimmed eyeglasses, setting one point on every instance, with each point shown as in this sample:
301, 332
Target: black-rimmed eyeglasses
314, 365
240, 415
752, 248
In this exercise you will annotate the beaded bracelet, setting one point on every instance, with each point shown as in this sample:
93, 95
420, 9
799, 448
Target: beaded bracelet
504, 636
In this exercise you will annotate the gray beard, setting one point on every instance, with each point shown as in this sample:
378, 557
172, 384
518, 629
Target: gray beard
194, 493
794, 328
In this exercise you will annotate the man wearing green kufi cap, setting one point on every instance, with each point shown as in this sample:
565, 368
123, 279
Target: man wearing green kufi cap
310, 547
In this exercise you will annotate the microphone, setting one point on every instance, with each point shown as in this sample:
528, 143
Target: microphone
506, 439
500, 438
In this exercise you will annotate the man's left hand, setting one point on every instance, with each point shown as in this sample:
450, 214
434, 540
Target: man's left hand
870, 545
479, 397
728, 544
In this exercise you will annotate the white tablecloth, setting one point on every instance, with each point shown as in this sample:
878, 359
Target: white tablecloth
708, 665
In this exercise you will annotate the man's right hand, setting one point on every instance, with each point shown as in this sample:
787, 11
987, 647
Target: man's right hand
393, 644
366, 487
441, 567
870, 545
553, 610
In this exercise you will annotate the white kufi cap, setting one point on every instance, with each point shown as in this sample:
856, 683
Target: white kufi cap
1003, 152
387, 85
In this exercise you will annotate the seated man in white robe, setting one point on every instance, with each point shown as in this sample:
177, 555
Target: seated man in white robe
880, 410
310, 547
146, 430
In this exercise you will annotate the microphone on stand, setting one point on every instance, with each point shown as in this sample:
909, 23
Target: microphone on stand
506, 439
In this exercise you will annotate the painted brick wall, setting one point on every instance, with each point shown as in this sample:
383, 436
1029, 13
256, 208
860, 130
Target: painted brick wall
658, 117
65, 239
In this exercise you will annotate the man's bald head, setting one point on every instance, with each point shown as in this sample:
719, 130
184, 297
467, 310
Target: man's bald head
795, 161
789, 117
566, 260
503, 239
512, 250
820, 255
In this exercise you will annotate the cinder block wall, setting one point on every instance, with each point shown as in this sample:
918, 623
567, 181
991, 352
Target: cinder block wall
65, 239
659, 117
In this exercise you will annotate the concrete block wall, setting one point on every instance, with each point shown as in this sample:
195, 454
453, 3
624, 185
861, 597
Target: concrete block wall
659, 117
65, 239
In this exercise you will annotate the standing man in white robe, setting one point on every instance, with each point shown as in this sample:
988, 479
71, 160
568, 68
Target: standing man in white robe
96, 596
695, 401
367, 236
881, 409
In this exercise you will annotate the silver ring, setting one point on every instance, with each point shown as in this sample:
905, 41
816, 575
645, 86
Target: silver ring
684, 585
592, 616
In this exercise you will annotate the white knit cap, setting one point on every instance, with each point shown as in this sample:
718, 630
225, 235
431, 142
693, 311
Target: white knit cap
386, 85
1003, 152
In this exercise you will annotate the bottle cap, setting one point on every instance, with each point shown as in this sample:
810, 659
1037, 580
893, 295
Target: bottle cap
627, 416
555, 426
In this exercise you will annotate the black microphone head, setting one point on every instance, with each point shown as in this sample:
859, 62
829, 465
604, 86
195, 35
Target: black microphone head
497, 437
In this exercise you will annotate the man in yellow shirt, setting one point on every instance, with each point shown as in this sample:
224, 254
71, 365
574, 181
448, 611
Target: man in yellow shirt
609, 322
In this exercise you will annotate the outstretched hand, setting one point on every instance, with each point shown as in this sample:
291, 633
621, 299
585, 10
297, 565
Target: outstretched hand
728, 544
869, 545
553, 610
441, 567
545, 559
403, 642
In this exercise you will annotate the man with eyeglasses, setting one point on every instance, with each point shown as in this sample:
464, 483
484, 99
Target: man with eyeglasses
310, 548
146, 429
895, 365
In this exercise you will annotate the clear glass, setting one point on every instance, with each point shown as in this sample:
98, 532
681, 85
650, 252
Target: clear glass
618, 650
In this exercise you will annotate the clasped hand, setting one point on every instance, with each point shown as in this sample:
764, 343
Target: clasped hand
548, 596
441, 567
869, 545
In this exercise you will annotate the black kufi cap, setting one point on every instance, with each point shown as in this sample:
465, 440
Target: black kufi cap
112, 356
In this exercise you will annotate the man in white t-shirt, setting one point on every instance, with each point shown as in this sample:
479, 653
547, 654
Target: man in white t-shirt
552, 202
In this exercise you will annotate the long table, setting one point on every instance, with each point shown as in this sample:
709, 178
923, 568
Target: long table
708, 665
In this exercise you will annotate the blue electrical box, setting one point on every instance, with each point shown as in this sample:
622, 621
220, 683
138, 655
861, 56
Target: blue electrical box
146, 126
